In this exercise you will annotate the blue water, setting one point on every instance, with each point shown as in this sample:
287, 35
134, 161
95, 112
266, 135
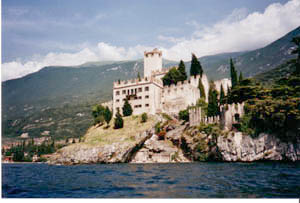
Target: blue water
191, 180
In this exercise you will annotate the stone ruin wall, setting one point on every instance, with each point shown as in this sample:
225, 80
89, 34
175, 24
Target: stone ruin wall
226, 119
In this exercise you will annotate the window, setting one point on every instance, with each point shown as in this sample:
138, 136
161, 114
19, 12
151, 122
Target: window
140, 97
124, 92
146, 88
140, 89
147, 96
117, 92
118, 100
147, 105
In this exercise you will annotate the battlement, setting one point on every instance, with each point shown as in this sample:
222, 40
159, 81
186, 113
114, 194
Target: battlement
192, 82
136, 81
152, 53
160, 72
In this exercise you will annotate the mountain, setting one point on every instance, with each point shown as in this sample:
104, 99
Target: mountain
252, 62
59, 99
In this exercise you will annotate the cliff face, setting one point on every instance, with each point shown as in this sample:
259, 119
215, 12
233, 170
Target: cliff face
239, 147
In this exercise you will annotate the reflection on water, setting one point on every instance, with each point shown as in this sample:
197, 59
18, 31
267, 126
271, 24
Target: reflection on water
196, 180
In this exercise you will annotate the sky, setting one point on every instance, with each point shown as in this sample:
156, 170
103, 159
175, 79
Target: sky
39, 33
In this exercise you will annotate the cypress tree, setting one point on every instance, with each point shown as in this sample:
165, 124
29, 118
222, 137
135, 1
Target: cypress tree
118, 120
241, 77
127, 109
139, 77
107, 115
233, 74
181, 69
196, 67
201, 88
228, 100
222, 96
213, 107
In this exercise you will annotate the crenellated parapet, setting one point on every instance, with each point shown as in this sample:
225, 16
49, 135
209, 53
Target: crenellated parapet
192, 82
152, 53
160, 72
136, 81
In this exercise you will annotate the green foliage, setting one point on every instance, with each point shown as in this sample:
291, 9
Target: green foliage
184, 115
107, 115
98, 114
202, 103
138, 76
175, 75
213, 106
118, 120
144, 117
157, 127
222, 96
196, 68
201, 88
181, 69
166, 116
233, 74
127, 109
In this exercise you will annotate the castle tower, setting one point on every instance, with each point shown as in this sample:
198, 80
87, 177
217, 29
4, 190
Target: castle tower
152, 61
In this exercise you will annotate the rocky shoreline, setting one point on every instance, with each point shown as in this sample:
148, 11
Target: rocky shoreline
182, 144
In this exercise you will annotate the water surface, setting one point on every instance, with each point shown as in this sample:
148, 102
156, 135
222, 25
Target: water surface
189, 180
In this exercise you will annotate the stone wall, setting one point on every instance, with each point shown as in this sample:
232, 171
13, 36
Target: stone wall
229, 113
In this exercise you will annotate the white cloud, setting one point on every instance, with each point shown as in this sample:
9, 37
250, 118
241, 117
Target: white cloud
102, 52
238, 32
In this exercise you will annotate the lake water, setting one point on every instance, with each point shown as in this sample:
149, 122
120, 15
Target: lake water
189, 180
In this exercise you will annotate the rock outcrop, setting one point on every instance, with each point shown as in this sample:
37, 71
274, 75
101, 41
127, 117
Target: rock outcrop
239, 147
159, 151
82, 153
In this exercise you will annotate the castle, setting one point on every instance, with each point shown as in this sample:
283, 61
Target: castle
148, 94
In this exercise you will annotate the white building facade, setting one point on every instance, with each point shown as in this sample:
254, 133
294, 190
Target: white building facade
149, 95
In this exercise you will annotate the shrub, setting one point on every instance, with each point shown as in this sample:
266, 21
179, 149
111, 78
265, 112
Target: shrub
157, 128
144, 117
127, 109
118, 121
184, 115
161, 135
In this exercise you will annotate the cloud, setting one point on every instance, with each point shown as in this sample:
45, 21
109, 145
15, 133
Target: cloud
238, 32
102, 52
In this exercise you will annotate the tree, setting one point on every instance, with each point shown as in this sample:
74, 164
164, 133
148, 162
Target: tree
222, 96
127, 109
97, 110
144, 117
181, 69
118, 120
172, 77
233, 74
184, 115
196, 67
201, 88
241, 77
139, 77
213, 107
107, 115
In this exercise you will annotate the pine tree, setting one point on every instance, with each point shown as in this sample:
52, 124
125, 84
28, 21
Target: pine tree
127, 109
107, 115
118, 120
222, 96
213, 107
233, 74
181, 69
201, 88
196, 67
241, 77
